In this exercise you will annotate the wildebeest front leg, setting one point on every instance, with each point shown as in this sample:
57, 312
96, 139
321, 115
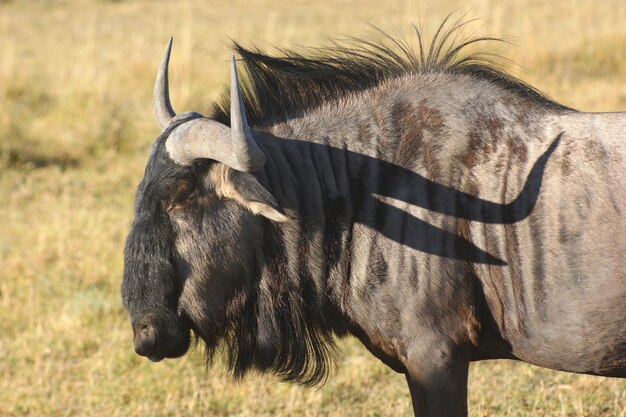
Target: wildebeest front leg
438, 383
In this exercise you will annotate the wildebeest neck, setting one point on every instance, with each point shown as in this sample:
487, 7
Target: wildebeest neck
354, 180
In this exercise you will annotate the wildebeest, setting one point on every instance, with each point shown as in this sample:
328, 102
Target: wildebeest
426, 202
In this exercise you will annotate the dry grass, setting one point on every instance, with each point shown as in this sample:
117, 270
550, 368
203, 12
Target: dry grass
75, 128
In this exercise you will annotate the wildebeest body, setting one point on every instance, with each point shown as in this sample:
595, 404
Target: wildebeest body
439, 217
562, 264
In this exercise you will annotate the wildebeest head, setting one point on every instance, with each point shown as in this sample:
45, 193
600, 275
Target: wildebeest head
197, 215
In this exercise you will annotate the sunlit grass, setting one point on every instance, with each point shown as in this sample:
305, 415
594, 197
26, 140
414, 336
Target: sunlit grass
76, 125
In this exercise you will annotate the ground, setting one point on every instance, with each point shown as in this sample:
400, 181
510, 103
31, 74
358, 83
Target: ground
76, 125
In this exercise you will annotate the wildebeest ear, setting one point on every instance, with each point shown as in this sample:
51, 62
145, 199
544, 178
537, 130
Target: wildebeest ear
246, 190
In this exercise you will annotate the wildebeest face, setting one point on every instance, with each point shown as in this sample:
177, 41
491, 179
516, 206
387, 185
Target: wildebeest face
218, 233
191, 251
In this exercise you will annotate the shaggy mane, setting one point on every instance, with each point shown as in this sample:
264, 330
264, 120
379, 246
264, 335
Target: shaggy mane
277, 327
278, 88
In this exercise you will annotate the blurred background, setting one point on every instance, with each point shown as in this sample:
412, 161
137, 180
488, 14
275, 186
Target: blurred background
76, 126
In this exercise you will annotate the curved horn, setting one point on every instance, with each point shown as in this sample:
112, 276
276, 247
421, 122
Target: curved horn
205, 138
161, 97
243, 142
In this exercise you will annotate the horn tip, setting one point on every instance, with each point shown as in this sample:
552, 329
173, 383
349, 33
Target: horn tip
233, 67
161, 101
234, 76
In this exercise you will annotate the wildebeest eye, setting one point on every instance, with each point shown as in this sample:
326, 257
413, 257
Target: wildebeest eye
181, 195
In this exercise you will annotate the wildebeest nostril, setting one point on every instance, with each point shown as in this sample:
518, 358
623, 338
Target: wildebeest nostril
145, 340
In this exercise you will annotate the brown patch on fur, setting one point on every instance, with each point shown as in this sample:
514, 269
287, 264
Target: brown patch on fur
471, 157
483, 141
429, 154
411, 135
432, 120
566, 163
380, 118
517, 148
463, 228
488, 133
472, 189
429, 117
595, 151
411, 123
493, 125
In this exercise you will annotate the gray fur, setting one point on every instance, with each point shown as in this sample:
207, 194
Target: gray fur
441, 217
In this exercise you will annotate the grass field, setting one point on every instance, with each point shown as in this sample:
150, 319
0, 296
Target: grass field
76, 125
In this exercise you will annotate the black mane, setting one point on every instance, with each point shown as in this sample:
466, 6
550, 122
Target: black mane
278, 88
280, 325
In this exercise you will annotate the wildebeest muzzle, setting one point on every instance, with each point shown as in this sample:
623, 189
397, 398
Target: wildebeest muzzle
160, 335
